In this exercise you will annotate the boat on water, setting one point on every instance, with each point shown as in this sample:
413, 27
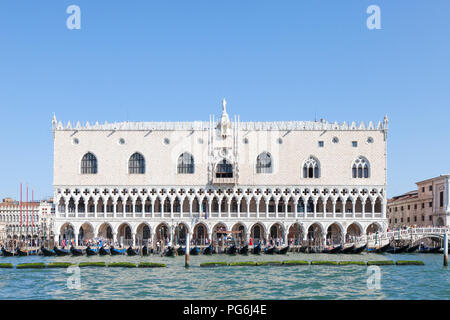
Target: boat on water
231, 249
21, 253
358, 250
412, 249
302, 249
7, 253
194, 251
131, 251
61, 252
314, 250
382, 249
243, 250
117, 252
395, 250
208, 250
347, 250
48, 252
104, 252
181, 251
169, 252
270, 250
332, 249
282, 250
76, 252
429, 250
256, 249
90, 251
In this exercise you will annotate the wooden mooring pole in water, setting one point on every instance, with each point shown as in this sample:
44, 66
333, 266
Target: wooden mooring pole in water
188, 251
446, 249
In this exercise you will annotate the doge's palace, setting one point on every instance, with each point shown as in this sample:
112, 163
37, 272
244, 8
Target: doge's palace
302, 180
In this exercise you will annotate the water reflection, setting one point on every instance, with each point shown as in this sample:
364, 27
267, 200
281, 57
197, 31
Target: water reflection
263, 282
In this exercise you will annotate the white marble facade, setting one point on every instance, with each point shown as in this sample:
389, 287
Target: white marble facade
266, 179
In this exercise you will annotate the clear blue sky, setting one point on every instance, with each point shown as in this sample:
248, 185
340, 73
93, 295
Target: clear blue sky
272, 60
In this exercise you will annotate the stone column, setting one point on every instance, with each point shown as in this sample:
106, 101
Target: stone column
76, 238
334, 209
133, 237
383, 209
315, 208
276, 208
363, 208
353, 208
115, 209
296, 209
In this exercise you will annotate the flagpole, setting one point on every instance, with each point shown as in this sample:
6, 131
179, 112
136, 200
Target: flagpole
21, 224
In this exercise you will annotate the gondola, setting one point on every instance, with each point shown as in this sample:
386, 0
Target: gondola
91, 252
332, 250
314, 250
282, 250
256, 249
359, 249
413, 248
61, 252
243, 250
382, 249
48, 253
208, 250
348, 249
194, 251
395, 250
302, 249
104, 252
7, 253
21, 253
76, 252
270, 250
117, 252
429, 250
169, 252
181, 251
131, 251
144, 251
231, 249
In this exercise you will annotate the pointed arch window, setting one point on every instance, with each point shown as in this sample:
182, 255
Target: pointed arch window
311, 168
136, 164
361, 168
186, 163
89, 164
264, 163
224, 169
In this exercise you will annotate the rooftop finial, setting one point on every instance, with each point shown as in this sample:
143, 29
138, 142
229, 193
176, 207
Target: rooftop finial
224, 105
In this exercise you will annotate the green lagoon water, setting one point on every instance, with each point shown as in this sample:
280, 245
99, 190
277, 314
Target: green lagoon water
261, 282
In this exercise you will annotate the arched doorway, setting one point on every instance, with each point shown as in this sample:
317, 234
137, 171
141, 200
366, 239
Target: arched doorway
162, 234
239, 233
67, 233
257, 233
180, 234
124, 233
143, 234
315, 235
85, 234
200, 234
353, 232
295, 234
105, 233
334, 234
276, 234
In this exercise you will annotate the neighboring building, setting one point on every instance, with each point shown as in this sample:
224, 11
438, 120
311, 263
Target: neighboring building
427, 206
2, 231
153, 180
37, 219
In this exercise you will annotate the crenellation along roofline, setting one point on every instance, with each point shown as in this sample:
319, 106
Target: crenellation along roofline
203, 126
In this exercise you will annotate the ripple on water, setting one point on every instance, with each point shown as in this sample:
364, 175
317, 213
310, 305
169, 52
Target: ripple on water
263, 282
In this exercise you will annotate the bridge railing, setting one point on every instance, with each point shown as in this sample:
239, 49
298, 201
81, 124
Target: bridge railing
401, 234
